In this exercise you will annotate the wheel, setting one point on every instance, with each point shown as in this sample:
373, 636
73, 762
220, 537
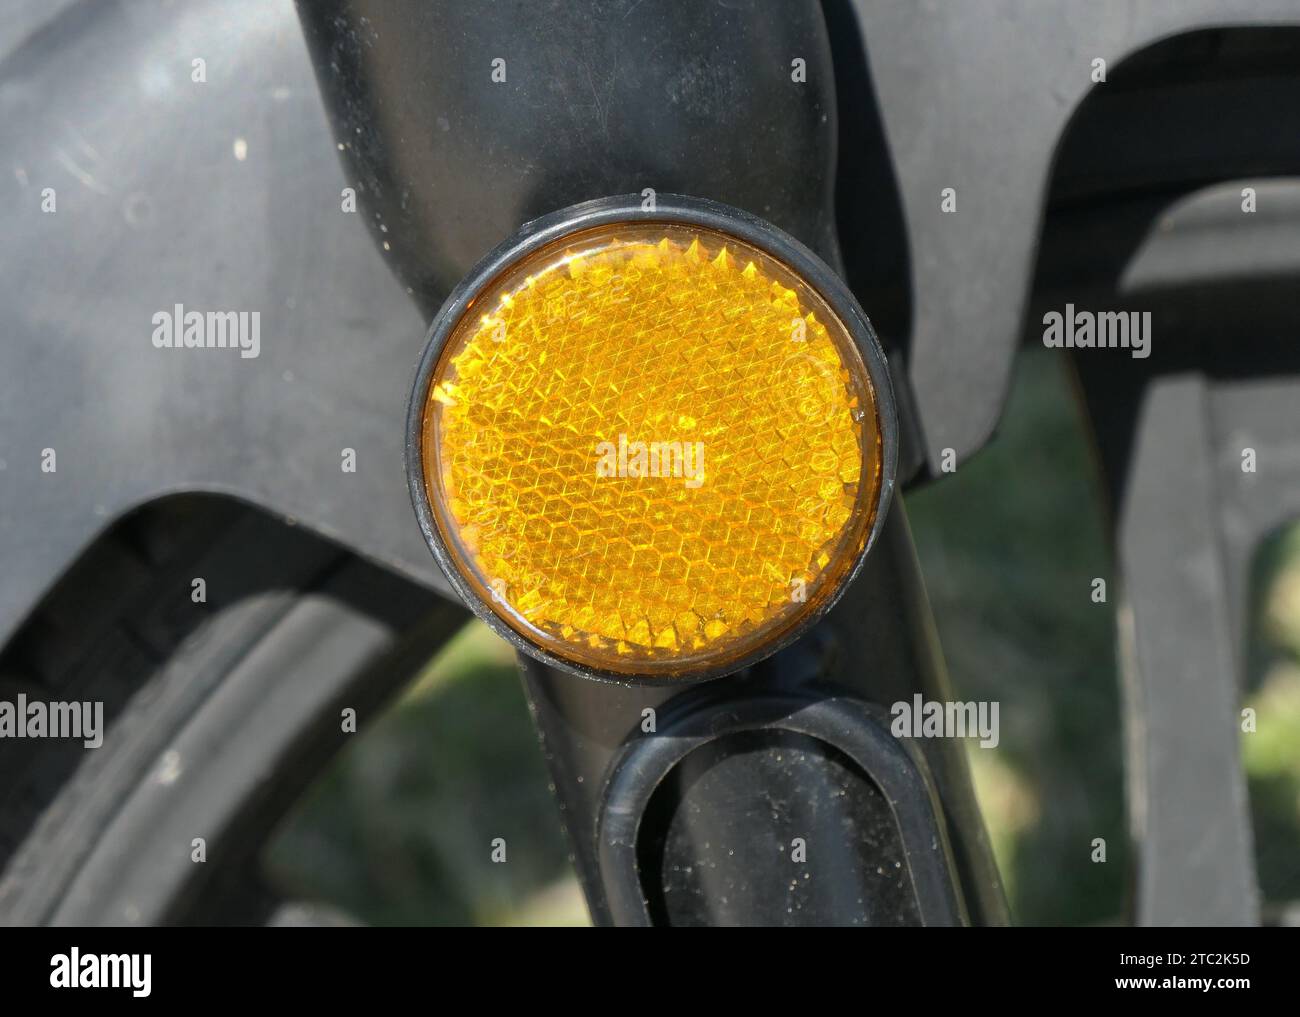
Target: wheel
216, 714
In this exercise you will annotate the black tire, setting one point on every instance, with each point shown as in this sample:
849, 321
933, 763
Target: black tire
217, 714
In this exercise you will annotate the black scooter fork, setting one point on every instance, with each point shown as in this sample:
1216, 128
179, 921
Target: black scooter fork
774, 794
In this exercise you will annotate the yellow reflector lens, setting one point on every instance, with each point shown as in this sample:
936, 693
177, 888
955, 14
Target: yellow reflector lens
652, 449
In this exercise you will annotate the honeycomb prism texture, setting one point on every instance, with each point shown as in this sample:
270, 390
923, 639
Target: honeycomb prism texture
651, 449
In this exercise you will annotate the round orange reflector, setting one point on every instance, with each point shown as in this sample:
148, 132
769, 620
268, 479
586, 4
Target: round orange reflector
651, 449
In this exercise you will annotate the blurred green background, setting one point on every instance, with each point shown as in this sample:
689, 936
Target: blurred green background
399, 830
